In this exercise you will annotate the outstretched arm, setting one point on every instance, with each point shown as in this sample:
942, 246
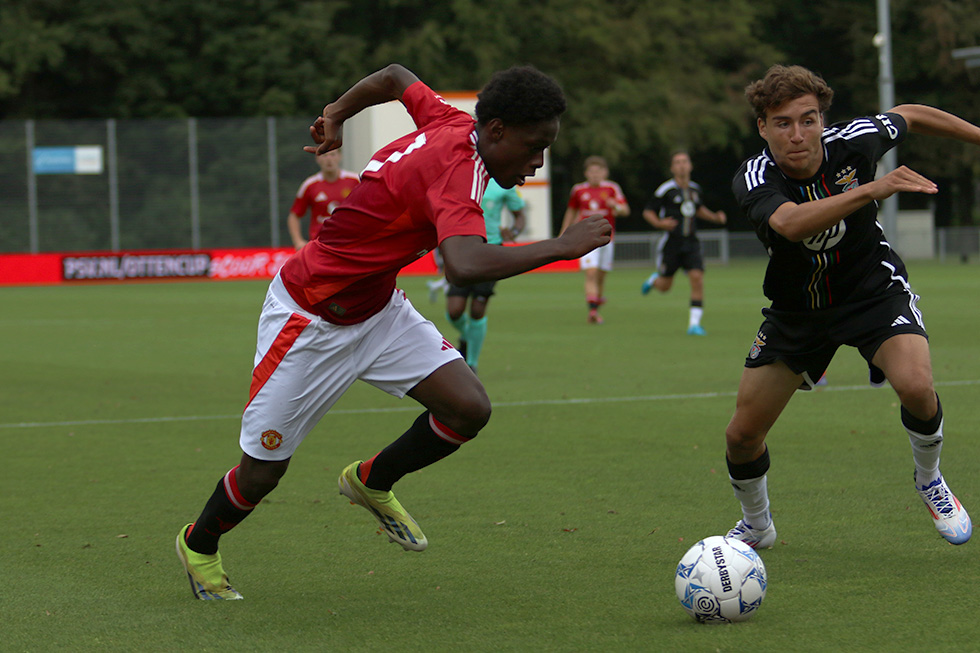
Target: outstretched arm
667, 224
619, 209
718, 217
570, 216
469, 259
510, 234
798, 222
377, 88
923, 119
294, 224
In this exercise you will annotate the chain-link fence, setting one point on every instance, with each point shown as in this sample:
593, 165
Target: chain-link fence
203, 183
719, 246
193, 183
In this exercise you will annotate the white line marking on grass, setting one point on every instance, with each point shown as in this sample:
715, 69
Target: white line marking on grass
414, 408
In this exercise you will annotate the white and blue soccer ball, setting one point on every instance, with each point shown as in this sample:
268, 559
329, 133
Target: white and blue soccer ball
720, 580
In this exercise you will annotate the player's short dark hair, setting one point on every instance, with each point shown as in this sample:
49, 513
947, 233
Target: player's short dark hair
594, 160
521, 95
784, 83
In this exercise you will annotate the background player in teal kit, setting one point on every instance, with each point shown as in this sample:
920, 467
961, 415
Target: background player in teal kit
472, 324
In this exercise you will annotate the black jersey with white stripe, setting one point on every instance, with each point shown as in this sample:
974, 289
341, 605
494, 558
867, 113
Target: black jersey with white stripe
849, 262
681, 204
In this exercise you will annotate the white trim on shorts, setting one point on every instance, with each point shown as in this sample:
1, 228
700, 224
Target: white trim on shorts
304, 364
659, 257
600, 257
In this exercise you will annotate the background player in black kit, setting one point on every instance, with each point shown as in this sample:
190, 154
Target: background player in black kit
675, 207
833, 280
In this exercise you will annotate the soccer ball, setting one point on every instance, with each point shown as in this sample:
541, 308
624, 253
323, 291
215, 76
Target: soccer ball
720, 580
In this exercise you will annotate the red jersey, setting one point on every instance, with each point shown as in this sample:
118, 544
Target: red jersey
321, 197
591, 200
414, 193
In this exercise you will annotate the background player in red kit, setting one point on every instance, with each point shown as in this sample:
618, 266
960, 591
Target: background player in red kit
319, 194
333, 314
596, 196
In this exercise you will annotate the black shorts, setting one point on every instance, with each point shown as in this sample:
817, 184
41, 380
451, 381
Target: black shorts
675, 255
480, 291
807, 341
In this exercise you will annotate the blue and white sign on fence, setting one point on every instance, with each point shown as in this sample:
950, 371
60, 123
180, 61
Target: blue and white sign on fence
77, 160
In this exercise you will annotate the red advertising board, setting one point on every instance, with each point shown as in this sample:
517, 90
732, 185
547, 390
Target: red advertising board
77, 267
159, 265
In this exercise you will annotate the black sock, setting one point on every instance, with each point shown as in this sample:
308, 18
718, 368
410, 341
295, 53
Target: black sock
418, 447
752, 469
927, 427
224, 510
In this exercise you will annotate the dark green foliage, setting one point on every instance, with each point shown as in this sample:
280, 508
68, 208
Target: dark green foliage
642, 77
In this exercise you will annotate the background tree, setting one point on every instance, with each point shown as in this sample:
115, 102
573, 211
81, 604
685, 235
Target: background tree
838, 42
643, 77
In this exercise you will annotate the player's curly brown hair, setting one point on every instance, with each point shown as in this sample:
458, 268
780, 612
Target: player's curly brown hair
521, 95
784, 83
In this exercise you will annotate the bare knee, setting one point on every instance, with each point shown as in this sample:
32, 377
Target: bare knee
455, 397
743, 446
697, 288
918, 396
478, 309
466, 410
905, 361
455, 310
257, 478
455, 307
472, 413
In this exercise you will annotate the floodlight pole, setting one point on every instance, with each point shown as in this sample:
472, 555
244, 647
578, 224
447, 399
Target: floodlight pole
886, 101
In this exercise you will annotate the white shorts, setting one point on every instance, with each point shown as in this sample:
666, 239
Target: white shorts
304, 364
601, 257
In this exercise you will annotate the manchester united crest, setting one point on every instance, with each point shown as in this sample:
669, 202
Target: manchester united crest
271, 440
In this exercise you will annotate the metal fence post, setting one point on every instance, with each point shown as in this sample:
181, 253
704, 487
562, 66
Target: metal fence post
113, 185
32, 229
195, 192
273, 181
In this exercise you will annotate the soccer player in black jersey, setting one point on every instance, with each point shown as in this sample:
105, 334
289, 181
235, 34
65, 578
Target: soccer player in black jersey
833, 280
675, 207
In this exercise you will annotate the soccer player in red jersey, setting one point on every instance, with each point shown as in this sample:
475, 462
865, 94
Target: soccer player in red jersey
333, 315
319, 194
596, 197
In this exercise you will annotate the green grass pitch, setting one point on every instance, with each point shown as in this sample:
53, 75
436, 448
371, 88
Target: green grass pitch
557, 529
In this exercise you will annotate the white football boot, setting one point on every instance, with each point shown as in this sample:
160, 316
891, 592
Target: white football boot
757, 539
948, 515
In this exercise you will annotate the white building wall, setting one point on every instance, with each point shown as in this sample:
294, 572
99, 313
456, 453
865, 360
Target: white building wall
375, 127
